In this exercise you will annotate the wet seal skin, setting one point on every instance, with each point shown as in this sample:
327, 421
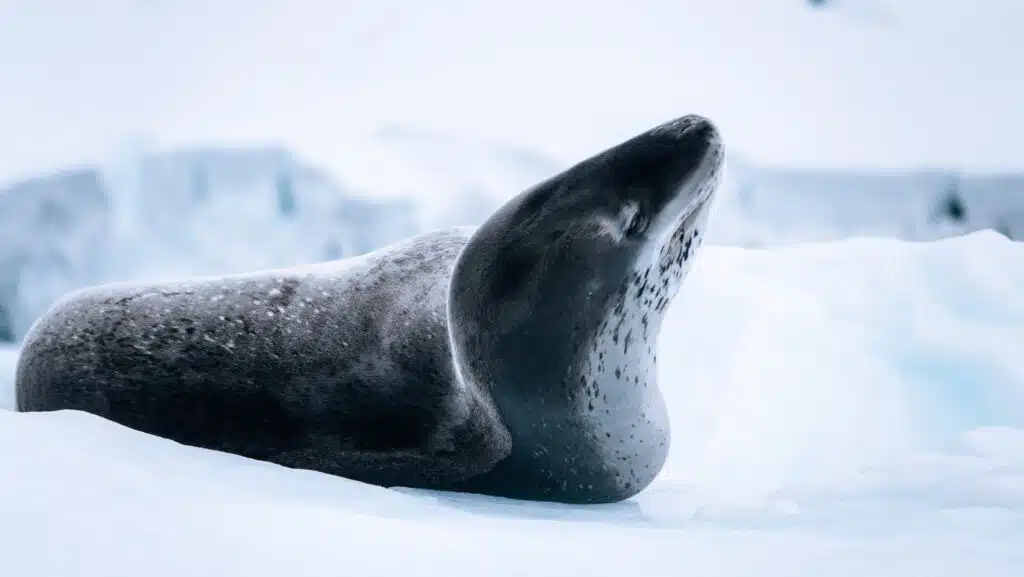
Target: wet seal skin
517, 360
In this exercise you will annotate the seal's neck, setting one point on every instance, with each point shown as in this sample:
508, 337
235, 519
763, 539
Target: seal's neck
623, 358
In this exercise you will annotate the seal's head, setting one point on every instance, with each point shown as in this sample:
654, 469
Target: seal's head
556, 301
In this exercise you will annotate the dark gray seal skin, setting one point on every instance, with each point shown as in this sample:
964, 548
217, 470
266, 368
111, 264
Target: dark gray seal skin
517, 360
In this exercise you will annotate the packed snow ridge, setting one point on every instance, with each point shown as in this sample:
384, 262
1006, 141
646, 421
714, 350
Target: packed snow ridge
223, 210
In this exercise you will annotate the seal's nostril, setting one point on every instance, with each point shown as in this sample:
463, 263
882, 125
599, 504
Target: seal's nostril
703, 131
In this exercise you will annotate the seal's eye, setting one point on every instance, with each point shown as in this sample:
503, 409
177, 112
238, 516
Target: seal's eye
634, 221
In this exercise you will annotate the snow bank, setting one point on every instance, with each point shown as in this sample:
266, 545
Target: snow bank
789, 369
854, 408
774, 205
8, 359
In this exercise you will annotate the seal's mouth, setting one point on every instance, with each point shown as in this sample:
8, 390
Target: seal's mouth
706, 177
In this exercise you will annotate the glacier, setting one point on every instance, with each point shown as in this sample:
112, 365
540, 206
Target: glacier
839, 408
149, 215
772, 205
181, 213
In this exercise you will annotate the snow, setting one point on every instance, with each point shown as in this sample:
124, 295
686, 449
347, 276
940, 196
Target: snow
845, 408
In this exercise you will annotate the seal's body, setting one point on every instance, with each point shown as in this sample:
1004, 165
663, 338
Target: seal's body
343, 367
516, 360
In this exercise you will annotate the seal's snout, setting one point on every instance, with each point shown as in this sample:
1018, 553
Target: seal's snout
686, 157
675, 151
703, 133
691, 126
693, 139
703, 138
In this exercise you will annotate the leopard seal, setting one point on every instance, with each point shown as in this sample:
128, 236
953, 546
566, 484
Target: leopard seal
515, 360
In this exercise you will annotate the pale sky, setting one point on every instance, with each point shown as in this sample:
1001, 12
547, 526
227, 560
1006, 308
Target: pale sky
935, 83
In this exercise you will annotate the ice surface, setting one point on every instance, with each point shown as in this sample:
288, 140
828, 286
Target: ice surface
852, 408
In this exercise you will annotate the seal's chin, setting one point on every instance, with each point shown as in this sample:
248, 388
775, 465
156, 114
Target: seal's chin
694, 195
701, 200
